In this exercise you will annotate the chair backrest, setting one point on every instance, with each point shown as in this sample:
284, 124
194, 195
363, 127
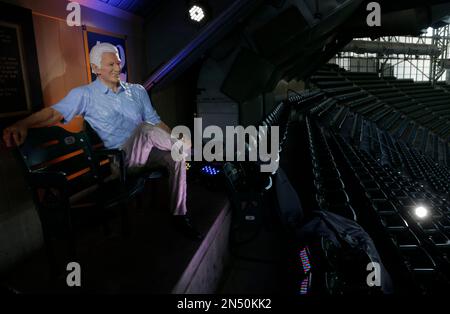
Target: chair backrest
94, 140
53, 149
97, 144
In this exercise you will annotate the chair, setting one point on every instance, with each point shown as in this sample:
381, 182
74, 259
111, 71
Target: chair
72, 187
146, 173
99, 149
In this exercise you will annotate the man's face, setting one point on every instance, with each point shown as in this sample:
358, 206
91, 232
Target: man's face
110, 69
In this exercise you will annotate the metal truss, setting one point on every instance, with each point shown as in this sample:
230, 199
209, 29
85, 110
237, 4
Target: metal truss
417, 67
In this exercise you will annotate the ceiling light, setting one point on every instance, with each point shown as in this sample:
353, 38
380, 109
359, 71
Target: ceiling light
199, 11
421, 212
196, 13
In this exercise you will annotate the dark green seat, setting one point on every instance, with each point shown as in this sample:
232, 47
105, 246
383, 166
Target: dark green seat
73, 186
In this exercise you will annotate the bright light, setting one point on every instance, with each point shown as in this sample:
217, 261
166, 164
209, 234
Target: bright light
421, 212
196, 13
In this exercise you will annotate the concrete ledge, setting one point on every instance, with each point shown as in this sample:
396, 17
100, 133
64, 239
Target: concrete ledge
202, 274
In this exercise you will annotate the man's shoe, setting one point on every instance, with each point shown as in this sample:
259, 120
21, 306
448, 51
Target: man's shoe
183, 224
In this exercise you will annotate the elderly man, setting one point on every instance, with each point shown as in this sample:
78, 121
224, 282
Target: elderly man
123, 116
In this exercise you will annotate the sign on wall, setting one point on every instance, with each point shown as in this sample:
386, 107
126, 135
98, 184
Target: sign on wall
14, 88
92, 36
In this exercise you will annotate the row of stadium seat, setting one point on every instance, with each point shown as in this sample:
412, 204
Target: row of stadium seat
422, 247
330, 189
405, 109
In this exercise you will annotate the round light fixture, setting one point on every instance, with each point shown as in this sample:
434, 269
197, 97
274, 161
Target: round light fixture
421, 212
196, 13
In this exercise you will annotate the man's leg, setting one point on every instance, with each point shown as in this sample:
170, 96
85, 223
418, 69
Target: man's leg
150, 146
139, 146
177, 178
177, 186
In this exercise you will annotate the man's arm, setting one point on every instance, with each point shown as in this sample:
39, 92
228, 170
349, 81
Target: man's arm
18, 131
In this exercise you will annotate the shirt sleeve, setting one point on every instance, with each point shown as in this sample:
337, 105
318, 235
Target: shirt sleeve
72, 105
150, 115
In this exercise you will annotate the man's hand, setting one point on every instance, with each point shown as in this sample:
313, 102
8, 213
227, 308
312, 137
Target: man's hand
164, 127
15, 134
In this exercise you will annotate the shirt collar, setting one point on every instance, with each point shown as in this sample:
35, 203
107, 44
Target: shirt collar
122, 86
104, 89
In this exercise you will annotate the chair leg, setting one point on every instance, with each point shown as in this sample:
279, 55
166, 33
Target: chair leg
154, 193
125, 220
71, 239
57, 266
140, 202
106, 229
51, 257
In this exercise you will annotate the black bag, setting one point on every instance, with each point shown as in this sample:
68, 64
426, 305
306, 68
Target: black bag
348, 250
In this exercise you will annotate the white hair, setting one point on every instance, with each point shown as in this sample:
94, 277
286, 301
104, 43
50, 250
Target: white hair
95, 56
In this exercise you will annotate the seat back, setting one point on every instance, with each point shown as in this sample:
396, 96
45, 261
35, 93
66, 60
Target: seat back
53, 149
109, 163
94, 140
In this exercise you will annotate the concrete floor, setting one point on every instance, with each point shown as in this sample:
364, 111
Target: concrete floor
150, 260
153, 258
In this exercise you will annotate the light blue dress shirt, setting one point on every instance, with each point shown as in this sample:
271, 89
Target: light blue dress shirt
114, 116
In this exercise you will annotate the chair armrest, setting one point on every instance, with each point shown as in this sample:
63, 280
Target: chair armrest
45, 179
109, 151
146, 173
119, 154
